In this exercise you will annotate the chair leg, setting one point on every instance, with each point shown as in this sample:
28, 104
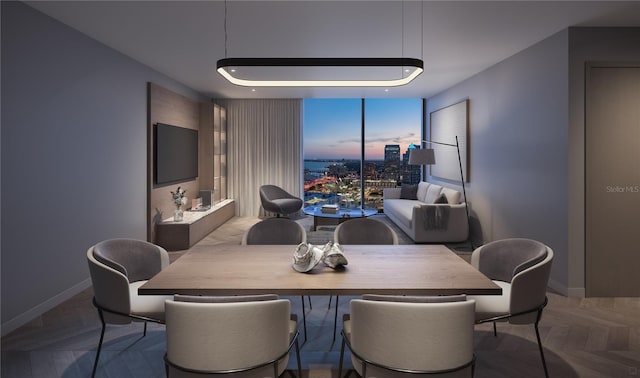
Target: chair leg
304, 318
495, 330
104, 325
298, 359
310, 305
335, 321
144, 333
544, 362
329, 306
341, 357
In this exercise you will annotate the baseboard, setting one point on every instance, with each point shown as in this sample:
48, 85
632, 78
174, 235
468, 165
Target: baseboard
43, 307
574, 292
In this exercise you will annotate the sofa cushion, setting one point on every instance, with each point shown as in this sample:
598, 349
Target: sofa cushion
401, 209
409, 192
422, 190
453, 196
433, 193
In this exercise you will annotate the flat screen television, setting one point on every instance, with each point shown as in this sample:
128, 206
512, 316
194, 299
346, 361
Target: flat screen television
175, 154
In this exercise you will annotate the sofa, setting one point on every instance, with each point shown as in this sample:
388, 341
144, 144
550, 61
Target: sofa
427, 212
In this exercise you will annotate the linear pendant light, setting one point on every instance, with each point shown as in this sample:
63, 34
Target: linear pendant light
306, 72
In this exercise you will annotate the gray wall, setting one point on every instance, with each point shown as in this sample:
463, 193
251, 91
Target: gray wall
611, 45
74, 166
518, 148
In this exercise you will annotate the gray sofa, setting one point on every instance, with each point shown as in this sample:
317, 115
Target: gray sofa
430, 214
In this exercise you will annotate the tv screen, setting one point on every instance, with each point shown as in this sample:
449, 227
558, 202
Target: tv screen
176, 154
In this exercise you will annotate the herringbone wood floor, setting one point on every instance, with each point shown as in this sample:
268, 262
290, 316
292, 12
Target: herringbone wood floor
590, 337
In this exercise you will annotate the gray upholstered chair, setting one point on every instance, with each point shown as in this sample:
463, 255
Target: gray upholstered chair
364, 231
395, 335
278, 231
361, 231
277, 200
243, 336
118, 267
275, 231
521, 267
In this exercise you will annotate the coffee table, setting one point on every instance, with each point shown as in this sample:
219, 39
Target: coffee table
320, 218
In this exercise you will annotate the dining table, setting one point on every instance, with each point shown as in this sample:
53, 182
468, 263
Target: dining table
233, 269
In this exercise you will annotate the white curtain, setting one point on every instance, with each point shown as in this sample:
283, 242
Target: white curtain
264, 140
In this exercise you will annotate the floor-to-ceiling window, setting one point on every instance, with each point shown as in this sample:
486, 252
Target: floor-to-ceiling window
351, 144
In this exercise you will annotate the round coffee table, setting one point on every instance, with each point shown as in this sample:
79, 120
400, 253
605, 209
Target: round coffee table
320, 218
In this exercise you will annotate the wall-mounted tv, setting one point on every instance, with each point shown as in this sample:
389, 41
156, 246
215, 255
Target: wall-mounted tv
175, 154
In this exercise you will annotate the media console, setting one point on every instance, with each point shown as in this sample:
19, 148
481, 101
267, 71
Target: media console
175, 236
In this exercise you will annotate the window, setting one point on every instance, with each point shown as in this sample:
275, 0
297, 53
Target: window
341, 167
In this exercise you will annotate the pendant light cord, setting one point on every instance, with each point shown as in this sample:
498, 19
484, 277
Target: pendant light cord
225, 28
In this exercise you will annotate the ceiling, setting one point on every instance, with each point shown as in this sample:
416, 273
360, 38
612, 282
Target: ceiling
456, 39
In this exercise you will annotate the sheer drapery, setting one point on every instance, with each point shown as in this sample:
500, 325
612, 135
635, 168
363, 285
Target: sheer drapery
263, 147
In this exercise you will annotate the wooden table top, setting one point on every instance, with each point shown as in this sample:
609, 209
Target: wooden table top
228, 269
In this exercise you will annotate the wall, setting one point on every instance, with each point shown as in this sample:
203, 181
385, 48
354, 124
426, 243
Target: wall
587, 45
518, 136
74, 157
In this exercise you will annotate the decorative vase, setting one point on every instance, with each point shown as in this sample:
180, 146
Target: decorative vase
178, 214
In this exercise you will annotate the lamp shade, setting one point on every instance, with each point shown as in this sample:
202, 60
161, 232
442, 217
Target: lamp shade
422, 156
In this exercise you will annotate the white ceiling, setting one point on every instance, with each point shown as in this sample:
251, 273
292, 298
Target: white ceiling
184, 39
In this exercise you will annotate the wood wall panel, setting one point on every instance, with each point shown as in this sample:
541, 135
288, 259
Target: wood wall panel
171, 108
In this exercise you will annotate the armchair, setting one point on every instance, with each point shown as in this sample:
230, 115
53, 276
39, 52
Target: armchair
277, 200
521, 267
118, 267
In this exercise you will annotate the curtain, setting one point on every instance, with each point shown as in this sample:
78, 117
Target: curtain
264, 140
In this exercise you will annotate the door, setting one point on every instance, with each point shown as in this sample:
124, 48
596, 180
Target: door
612, 161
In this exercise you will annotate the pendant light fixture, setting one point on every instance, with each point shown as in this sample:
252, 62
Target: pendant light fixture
319, 72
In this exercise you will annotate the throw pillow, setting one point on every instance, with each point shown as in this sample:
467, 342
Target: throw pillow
442, 199
409, 192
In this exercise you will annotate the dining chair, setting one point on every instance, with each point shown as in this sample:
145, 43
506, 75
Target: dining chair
242, 336
279, 231
118, 267
277, 200
521, 267
361, 231
391, 336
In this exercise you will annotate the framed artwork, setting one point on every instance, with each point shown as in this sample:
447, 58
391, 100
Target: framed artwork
445, 125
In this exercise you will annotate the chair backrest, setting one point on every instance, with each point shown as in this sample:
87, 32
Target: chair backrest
364, 231
113, 264
524, 263
424, 336
275, 231
227, 336
271, 192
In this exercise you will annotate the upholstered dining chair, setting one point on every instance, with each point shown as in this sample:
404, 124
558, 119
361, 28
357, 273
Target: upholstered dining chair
392, 336
118, 267
361, 231
521, 267
242, 336
279, 231
277, 200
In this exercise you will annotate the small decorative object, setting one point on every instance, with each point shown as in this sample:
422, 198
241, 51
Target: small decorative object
334, 255
306, 257
179, 199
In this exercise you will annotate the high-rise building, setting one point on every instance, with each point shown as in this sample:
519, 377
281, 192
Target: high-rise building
391, 162
410, 173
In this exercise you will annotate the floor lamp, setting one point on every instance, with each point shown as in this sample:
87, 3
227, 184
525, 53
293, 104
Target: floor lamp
427, 156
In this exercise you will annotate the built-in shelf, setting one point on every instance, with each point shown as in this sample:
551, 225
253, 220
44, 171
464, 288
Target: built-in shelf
195, 225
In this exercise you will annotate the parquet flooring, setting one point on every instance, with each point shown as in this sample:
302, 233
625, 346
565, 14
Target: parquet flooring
582, 337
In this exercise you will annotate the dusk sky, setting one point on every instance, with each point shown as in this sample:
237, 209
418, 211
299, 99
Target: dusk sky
332, 127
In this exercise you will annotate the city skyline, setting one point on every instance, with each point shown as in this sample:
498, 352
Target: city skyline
332, 127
